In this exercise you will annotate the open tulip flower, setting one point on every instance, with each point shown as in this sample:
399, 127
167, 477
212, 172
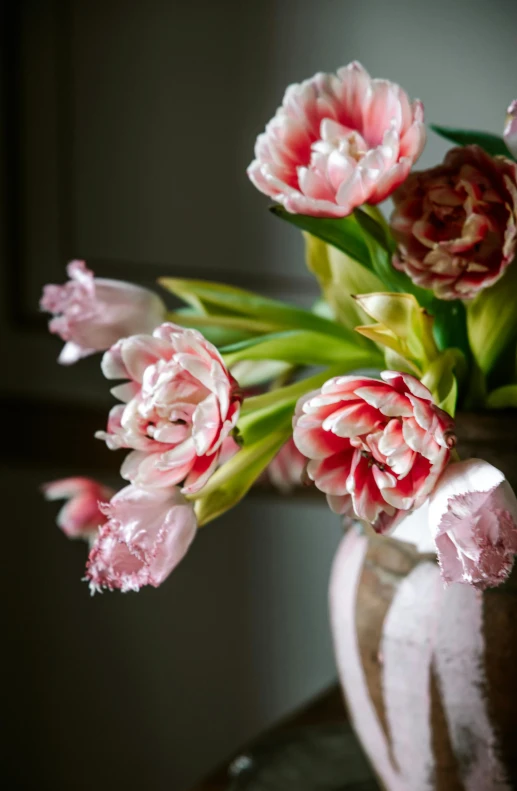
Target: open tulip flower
456, 224
376, 448
355, 397
338, 141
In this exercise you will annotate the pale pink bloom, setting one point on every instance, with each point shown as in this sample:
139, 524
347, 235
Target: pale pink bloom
376, 448
180, 405
473, 519
510, 129
456, 224
336, 142
286, 470
91, 314
146, 534
81, 515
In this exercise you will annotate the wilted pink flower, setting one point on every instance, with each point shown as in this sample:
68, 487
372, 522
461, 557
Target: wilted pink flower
81, 516
181, 403
146, 534
473, 519
286, 470
376, 447
510, 129
336, 142
91, 314
456, 224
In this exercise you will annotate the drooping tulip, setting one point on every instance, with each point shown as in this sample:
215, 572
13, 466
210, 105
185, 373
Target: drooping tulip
146, 534
286, 470
473, 519
81, 516
91, 314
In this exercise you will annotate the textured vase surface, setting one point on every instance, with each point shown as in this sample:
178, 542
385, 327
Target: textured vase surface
430, 673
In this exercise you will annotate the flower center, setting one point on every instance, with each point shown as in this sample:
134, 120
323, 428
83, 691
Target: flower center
372, 460
335, 137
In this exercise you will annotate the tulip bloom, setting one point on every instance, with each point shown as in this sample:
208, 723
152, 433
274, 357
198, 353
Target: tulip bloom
376, 448
180, 405
91, 314
510, 129
286, 471
473, 519
146, 534
81, 516
336, 142
456, 224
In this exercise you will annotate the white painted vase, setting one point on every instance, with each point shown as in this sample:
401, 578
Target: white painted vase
429, 673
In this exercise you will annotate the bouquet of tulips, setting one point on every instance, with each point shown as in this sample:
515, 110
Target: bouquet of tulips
417, 318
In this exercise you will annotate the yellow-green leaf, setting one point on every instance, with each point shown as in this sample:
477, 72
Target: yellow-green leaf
340, 277
503, 398
492, 320
229, 484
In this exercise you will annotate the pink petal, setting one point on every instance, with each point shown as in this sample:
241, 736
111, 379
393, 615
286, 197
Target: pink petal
147, 534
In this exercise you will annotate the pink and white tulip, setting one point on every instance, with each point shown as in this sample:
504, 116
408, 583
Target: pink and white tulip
338, 141
180, 405
473, 519
286, 471
376, 447
146, 535
91, 314
510, 129
81, 516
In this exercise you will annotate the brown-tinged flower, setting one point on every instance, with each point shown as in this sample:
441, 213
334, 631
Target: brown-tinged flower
456, 224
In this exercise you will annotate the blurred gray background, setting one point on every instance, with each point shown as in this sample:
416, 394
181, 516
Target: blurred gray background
128, 128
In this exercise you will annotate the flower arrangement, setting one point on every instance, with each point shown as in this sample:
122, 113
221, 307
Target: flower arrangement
357, 396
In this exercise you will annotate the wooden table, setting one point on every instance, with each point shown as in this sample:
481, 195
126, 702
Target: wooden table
324, 713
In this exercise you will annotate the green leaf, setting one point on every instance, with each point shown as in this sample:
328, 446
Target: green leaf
449, 316
300, 347
231, 301
250, 373
503, 398
233, 325
375, 228
492, 144
492, 320
232, 481
382, 247
257, 425
344, 232
365, 239
441, 379
403, 326
290, 394
339, 277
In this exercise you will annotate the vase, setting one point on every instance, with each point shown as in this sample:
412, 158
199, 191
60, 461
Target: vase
429, 673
